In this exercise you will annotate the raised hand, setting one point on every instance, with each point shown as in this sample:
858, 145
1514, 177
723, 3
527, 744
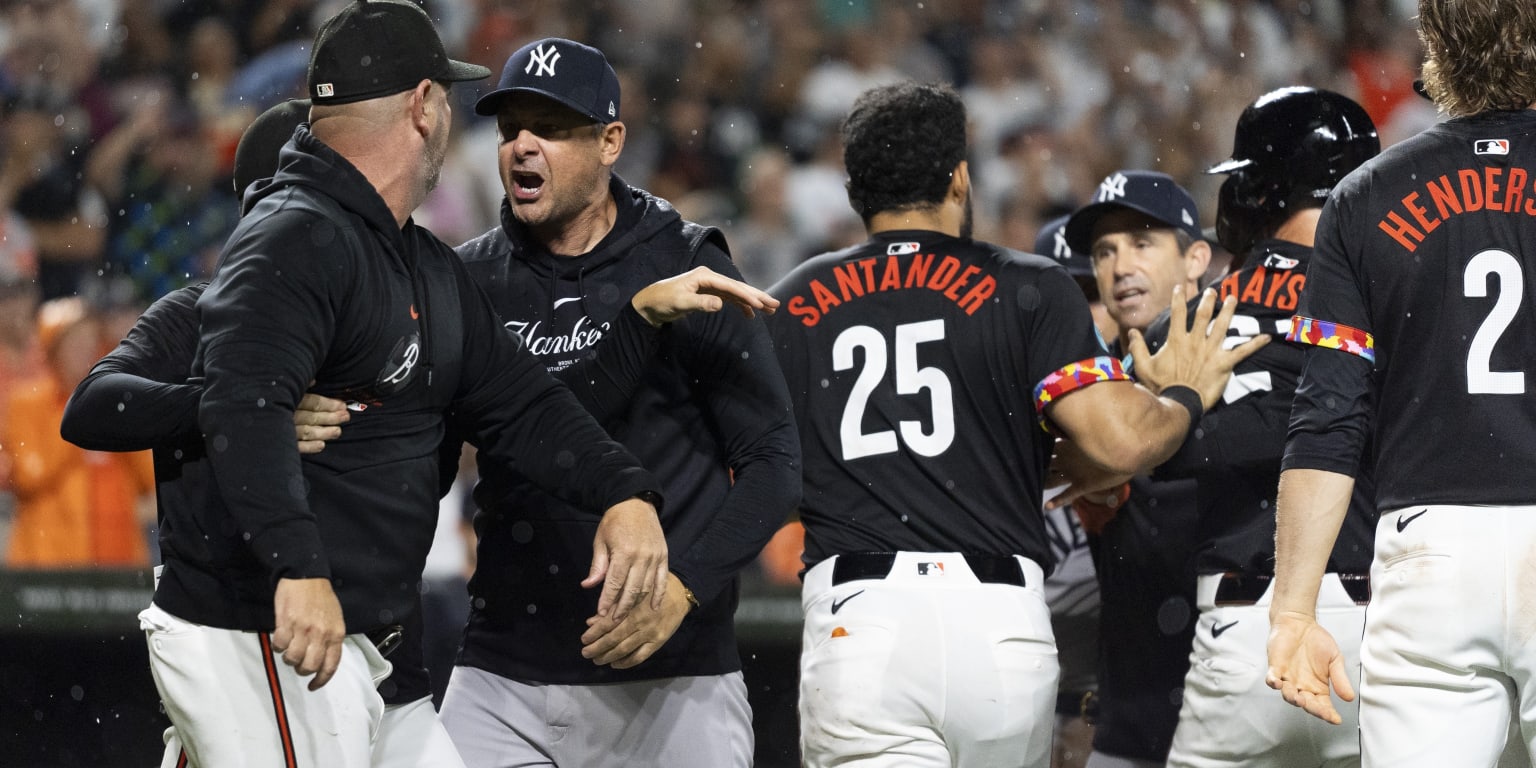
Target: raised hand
1193, 355
700, 289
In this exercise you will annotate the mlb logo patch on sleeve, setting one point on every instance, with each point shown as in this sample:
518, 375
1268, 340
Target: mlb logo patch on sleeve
1491, 146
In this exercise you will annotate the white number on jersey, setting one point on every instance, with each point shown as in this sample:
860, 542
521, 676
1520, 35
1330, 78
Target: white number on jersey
1500, 264
910, 380
1241, 329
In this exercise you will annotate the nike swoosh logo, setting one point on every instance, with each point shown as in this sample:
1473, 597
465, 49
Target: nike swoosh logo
836, 604
566, 300
1217, 631
1403, 521
414, 316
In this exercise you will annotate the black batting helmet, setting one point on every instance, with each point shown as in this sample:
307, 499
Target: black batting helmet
1291, 147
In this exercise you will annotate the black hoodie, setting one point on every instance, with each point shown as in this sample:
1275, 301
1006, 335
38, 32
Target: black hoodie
711, 407
319, 284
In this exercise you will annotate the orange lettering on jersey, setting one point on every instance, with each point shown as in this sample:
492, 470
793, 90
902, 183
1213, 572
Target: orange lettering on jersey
953, 293
917, 271
948, 266
1401, 231
848, 281
891, 280
869, 273
824, 298
808, 315
1471, 190
982, 291
1276, 281
1253, 291
951, 277
1228, 287
1516, 192
1491, 189
1411, 203
1445, 199
1293, 287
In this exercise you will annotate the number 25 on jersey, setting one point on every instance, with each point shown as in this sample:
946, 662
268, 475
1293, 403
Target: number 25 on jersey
910, 380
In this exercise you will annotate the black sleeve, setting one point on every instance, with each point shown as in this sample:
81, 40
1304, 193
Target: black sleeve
267, 321
1331, 416
731, 357
137, 397
519, 415
604, 381
1246, 430
1247, 434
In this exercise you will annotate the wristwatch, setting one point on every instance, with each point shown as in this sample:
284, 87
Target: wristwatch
693, 602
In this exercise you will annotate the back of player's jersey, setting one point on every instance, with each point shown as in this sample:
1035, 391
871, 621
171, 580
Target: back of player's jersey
912, 361
1431, 249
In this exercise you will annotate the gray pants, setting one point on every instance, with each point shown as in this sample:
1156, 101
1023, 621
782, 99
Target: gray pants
677, 722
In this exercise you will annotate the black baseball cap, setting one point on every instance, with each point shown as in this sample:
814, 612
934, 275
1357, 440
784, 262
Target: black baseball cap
1052, 242
256, 154
375, 48
576, 75
1154, 194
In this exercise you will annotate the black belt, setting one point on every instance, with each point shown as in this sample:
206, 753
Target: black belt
989, 569
386, 638
1246, 589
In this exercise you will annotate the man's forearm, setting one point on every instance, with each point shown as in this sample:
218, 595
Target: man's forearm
1311, 507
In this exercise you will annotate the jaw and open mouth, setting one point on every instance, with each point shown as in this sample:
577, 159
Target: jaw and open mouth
526, 186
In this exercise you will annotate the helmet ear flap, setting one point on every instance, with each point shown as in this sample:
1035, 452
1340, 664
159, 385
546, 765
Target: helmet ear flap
1241, 214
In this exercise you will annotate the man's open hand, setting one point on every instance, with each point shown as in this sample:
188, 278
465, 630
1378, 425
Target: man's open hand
1193, 356
629, 558
700, 289
1304, 660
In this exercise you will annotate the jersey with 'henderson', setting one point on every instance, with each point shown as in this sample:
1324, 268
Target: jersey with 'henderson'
918, 364
1422, 298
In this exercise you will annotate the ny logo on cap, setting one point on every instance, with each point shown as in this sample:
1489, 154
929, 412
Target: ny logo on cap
1061, 251
1112, 187
543, 57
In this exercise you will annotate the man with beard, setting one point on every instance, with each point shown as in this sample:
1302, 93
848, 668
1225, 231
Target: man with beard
930, 372
327, 285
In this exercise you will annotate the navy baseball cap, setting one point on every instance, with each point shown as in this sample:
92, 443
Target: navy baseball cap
1052, 242
569, 72
1154, 194
376, 48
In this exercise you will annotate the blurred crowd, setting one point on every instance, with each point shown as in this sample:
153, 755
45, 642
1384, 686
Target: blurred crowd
119, 118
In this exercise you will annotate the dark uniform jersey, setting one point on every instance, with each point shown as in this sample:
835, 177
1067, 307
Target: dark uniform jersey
1420, 304
915, 362
1236, 450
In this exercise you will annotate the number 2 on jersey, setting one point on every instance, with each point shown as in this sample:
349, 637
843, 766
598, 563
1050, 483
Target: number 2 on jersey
910, 380
1481, 380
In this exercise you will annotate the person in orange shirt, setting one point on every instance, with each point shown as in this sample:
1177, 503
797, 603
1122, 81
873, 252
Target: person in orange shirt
74, 507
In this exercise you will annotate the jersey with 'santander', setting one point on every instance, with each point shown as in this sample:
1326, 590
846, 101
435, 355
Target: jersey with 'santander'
1421, 296
914, 361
